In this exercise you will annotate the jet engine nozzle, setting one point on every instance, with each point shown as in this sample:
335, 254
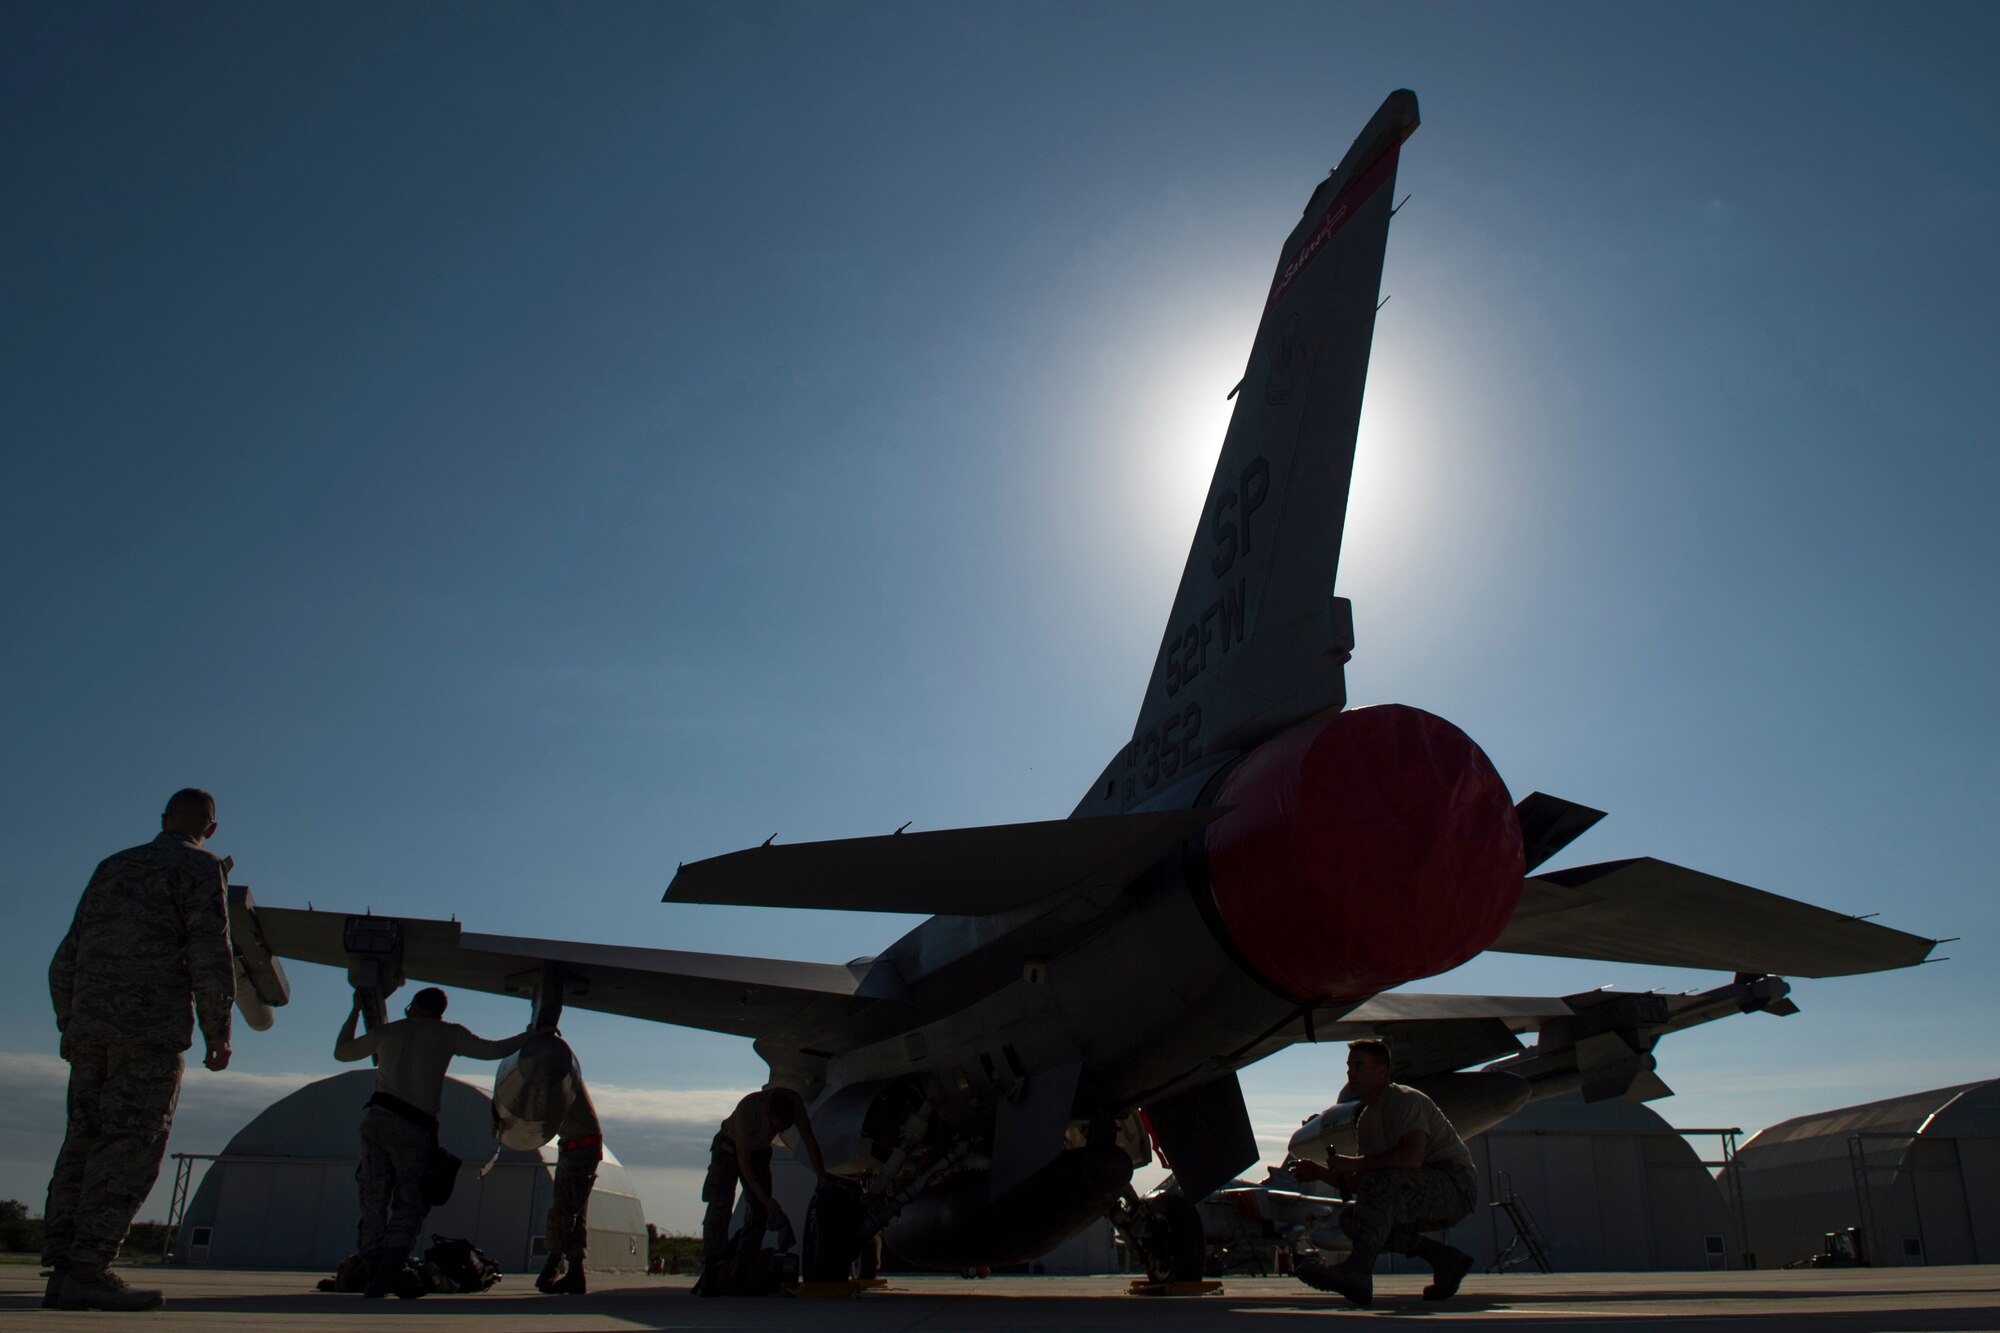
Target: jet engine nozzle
1362, 851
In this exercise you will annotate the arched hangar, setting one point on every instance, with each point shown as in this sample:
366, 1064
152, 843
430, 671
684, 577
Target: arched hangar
282, 1193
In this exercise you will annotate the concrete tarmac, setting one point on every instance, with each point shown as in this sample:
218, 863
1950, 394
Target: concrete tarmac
1861, 1300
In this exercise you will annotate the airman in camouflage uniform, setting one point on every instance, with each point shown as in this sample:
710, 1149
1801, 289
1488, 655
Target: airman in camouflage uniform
152, 928
579, 1150
1413, 1175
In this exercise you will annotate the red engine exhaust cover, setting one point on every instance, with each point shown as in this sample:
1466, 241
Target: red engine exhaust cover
1364, 850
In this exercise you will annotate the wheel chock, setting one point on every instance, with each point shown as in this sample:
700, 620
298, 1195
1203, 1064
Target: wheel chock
1145, 1287
834, 1291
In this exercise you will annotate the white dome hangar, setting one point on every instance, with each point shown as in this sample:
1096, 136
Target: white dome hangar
282, 1194
1917, 1176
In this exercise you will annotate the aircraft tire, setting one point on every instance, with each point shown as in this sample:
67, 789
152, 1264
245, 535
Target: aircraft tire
833, 1234
1176, 1248
870, 1262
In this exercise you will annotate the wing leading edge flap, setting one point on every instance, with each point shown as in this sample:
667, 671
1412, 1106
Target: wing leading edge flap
949, 872
752, 997
1648, 911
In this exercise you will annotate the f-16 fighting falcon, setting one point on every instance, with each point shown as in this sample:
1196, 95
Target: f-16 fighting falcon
1258, 865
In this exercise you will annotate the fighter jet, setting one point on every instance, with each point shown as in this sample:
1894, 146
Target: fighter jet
1258, 865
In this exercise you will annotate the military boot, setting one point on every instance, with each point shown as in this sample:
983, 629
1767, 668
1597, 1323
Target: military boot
1449, 1265
102, 1289
1353, 1277
572, 1283
545, 1281
52, 1294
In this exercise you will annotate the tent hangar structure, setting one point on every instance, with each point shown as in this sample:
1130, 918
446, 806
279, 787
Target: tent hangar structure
283, 1195
1917, 1176
1609, 1186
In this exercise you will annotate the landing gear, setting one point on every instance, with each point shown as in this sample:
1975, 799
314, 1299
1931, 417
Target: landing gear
832, 1240
870, 1262
1165, 1230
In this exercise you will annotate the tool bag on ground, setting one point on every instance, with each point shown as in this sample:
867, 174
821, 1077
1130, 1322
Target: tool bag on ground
752, 1265
462, 1264
352, 1275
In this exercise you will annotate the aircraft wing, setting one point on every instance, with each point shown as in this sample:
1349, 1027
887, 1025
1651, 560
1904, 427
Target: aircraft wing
948, 872
1647, 911
1598, 1041
752, 997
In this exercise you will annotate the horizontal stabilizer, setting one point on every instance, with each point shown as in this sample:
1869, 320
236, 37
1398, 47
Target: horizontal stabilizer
752, 997
1647, 911
948, 872
1549, 824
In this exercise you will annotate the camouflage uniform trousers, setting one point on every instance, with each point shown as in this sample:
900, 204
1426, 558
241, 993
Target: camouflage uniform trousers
1392, 1207
568, 1224
718, 1191
394, 1151
121, 1107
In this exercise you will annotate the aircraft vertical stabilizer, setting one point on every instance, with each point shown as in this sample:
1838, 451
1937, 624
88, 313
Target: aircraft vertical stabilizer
1256, 640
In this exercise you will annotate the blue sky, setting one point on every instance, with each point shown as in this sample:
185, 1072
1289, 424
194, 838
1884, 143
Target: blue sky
504, 451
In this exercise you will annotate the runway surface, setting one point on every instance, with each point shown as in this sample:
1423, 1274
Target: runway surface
1836, 1301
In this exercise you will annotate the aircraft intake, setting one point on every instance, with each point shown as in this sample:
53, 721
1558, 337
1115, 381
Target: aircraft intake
1362, 851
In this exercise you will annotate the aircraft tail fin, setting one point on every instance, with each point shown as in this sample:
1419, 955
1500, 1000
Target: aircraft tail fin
1256, 640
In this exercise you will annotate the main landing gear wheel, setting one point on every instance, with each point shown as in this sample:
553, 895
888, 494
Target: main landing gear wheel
832, 1238
1167, 1229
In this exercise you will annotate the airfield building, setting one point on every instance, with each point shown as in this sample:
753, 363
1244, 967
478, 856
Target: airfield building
1608, 1186
1916, 1176
282, 1193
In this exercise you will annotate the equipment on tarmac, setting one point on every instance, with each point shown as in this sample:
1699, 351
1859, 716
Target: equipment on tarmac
462, 1264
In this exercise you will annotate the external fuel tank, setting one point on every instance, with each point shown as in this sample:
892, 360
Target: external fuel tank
533, 1090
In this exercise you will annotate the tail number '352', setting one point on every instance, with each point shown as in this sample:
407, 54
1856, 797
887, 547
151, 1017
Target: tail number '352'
1161, 750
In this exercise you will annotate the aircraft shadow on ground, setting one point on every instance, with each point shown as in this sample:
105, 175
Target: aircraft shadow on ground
670, 1307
